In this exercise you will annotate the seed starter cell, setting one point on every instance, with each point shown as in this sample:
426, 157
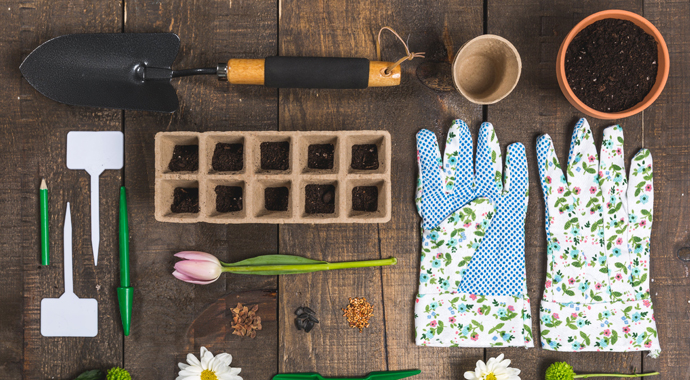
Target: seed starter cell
320, 199
267, 177
276, 198
275, 155
320, 156
185, 158
365, 198
185, 200
228, 198
228, 157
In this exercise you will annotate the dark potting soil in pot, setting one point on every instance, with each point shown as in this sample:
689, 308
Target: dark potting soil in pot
185, 158
320, 156
365, 157
365, 198
185, 200
611, 65
228, 198
319, 199
227, 157
275, 155
276, 198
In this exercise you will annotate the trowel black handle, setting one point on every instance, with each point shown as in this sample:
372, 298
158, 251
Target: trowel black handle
310, 72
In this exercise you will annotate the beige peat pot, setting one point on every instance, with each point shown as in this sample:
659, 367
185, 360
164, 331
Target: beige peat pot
486, 69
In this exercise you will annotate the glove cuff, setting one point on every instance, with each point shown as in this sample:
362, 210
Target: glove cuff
618, 327
457, 319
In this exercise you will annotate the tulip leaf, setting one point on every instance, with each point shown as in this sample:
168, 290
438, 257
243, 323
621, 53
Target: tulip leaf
244, 266
275, 260
272, 265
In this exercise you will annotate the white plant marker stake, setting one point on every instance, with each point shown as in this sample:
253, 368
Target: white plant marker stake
69, 315
95, 152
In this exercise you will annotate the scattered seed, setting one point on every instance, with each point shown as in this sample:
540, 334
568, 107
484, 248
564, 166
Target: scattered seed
358, 313
245, 322
306, 318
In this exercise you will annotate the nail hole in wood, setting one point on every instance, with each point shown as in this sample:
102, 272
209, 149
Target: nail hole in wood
684, 254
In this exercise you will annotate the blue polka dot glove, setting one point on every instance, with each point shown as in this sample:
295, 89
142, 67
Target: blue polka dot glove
596, 296
472, 280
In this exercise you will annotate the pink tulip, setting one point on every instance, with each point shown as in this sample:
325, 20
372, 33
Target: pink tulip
197, 267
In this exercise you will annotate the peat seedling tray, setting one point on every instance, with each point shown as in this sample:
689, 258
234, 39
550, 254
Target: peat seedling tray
273, 177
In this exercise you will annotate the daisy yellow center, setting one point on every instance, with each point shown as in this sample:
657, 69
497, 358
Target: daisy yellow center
490, 376
207, 374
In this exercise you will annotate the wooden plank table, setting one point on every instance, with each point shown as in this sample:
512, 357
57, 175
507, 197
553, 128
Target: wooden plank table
172, 318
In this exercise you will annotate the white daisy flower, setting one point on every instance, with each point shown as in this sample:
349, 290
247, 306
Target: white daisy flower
494, 369
208, 368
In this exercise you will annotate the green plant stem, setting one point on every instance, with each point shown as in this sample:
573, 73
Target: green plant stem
303, 268
612, 375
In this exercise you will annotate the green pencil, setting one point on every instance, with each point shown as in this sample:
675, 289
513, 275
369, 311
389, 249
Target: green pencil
125, 294
43, 196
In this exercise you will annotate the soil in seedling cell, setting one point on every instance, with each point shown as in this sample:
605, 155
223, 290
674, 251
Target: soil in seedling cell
319, 199
228, 198
611, 65
365, 198
185, 200
275, 155
365, 157
320, 156
276, 198
185, 158
228, 157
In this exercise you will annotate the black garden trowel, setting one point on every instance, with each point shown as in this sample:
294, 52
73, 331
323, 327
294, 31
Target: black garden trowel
133, 71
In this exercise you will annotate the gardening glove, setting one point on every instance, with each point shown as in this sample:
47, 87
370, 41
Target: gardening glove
472, 288
596, 296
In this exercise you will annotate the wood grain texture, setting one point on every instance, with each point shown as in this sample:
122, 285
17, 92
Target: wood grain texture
212, 329
537, 106
348, 29
172, 318
34, 131
164, 308
667, 135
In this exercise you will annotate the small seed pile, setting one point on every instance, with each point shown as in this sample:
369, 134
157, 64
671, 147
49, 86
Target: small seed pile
358, 313
306, 318
245, 322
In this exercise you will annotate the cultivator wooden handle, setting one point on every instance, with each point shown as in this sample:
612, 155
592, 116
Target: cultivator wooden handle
310, 72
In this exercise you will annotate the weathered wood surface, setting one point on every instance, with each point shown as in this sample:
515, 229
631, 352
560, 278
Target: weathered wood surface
210, 32
168, 313
34, 131
667, 134
344, 28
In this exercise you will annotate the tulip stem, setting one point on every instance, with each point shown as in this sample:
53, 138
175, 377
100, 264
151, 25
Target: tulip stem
305, 268
612, 375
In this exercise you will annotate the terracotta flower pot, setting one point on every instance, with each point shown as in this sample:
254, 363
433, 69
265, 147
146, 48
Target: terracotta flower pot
661, 76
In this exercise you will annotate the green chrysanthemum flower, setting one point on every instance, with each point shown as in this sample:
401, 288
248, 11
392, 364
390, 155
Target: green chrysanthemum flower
564, 371
560, 371
117, 373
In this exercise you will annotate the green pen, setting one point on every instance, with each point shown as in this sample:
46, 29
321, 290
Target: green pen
125, 294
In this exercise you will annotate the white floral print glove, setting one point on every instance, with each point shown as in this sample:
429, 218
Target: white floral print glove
598, 224
472, 278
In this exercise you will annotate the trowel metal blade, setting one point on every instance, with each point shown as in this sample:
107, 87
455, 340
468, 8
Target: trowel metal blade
100, 70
